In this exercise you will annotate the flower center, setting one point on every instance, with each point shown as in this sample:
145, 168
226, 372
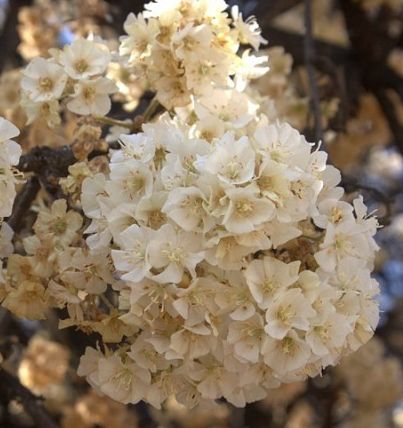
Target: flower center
45, 84
81, 65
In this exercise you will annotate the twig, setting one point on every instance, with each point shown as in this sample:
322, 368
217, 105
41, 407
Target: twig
114, 122
11, 389
151, 110
23, 202
309, 57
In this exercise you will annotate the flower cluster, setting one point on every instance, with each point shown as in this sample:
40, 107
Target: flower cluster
240, 266
216, 255
182, 48
76, 73
10, 153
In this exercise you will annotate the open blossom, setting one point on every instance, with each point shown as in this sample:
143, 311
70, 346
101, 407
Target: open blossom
43, 80
84, 58
92, 97
61, 224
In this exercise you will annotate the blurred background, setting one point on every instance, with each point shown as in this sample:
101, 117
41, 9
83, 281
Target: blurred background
357, 56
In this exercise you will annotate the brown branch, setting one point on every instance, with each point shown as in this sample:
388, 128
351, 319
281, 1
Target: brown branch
293, 43
309, 54
23, 202
391, 115
9, 37
11, 389
267, 11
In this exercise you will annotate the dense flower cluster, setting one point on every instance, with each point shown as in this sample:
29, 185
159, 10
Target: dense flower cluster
240, 266
219, 259
76, 73
10, 153
185, 47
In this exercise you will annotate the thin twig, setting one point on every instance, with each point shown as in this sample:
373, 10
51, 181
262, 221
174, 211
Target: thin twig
114, 122
309, 52
151, 110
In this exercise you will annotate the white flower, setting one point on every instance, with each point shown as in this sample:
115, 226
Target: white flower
248, 31
10, 153
141, 34
47, 110
344, 240
132, 258
197, 301
289, 309
192, 41
92, 189
172, 252
283, 144
268, 276
333, 211
328, 333
136, 146
246, 336
91, 97
192, 341
126, 383
43, 80
231, 160
246, 211
88, 366
7, 131
185, 206
251, 67
130, 181
287, 354
84, 58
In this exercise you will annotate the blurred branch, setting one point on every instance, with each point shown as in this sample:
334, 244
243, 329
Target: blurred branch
11, 389
309, 54
267, 10
9, 37
391, 115
293, 44
372, 45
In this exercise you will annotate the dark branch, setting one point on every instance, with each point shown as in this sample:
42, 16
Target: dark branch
390, 112
266, 11
293, 43
23, 202
9, 37
372, 45
11, 389
309, 54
